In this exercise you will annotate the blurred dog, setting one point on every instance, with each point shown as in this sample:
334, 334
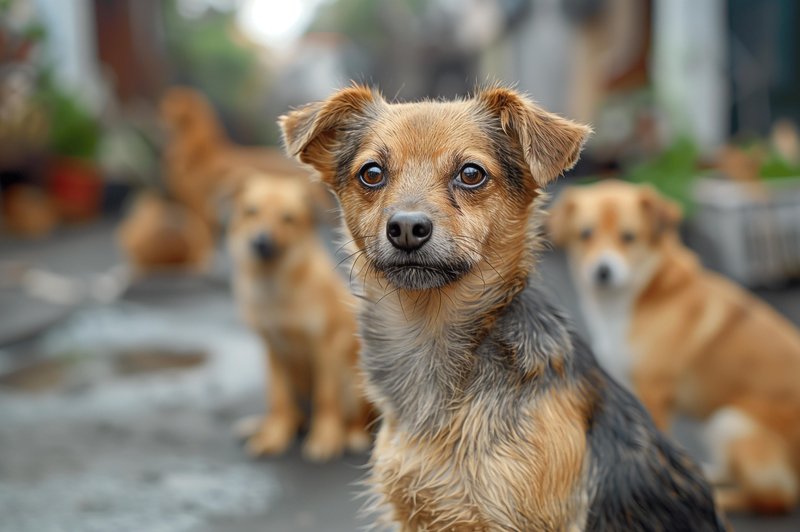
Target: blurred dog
199, 156
495, 415
687, 339
158, 234
289, 291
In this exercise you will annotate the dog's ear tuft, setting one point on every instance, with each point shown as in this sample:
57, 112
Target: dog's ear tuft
550, 144
664, 214
313, 133
559, 221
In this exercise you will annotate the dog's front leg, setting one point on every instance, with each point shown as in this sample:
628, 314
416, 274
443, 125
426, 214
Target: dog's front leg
278, 429
326, 439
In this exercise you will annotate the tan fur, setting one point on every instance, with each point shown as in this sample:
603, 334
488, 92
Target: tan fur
700, 344
199, 157
300, 306
513, 487
161, 235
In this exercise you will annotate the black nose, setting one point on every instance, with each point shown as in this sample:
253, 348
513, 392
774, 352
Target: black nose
603, 274
263, 246
409, 230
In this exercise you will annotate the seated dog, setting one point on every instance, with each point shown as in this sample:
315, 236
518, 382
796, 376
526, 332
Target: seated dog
289, 292
686, 339
495, 415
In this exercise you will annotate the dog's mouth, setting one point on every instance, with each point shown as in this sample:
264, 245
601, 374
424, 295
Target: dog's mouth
409, 275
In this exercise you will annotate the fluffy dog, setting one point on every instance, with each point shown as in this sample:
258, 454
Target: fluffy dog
495, 415
289, 291
686, 339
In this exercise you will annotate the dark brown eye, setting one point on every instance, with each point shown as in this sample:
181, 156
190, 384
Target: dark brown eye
586, 233
627, 237
471, 176
288, 218
371, 175
250, 211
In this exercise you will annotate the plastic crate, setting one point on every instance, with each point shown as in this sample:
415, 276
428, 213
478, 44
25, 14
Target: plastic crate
749, 232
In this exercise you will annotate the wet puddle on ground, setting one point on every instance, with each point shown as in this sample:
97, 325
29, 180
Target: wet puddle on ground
83, 370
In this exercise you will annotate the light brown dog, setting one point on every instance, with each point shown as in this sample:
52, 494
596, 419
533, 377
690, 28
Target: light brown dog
200, 157
686, 339
158, 235
289, 291
495, 415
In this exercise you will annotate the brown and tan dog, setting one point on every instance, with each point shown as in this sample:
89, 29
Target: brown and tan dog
200, 157
686, 339
495, 415
289, 291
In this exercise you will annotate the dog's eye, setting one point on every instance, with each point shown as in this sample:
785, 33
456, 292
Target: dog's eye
288, 218
586, 233
371, 175
471, 176
250, 211
627, 237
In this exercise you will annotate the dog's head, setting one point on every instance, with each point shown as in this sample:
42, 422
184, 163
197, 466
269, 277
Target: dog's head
613, 231
430, 190
186, 111
270, 215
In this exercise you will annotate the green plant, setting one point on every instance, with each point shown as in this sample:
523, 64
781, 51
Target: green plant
74, 132
672, 171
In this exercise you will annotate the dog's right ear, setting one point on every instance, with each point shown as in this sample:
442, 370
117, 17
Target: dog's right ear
664, 214
558, 222
314, 133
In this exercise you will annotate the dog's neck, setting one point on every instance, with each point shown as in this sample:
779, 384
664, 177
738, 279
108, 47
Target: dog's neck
422, 349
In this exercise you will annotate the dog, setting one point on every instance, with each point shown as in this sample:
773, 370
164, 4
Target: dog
161, 235
686, 339
495, 415
289, 292
199, 157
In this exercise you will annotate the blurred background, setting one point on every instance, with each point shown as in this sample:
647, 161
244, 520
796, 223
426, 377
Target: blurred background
122, 367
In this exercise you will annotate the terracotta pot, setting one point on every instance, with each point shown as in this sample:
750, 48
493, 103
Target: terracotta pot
76, 189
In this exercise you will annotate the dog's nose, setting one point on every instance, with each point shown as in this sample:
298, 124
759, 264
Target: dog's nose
263, 246
409, 230
603, 274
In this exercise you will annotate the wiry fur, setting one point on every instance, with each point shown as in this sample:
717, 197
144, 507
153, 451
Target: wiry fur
495, 416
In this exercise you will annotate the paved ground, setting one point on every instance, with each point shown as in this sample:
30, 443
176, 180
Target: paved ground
97, 435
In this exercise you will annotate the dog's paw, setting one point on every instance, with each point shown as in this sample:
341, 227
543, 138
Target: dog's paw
358, 440
273, 437
326, 440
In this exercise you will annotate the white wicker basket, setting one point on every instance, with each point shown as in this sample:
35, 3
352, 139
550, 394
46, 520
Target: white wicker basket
750, 232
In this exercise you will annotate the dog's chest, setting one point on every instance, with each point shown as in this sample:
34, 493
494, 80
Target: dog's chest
271, 306
475, 476
609, 320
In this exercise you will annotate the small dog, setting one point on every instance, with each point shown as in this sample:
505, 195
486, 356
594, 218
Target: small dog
199, 156
495, 415
159, 235
289, 291
686, 339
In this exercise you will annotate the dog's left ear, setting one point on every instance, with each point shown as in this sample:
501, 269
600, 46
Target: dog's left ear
313, 134
550, 144
664, 214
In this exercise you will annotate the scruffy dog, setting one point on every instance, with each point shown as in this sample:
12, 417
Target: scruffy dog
687, 340
495, 415
199, 156
289, 291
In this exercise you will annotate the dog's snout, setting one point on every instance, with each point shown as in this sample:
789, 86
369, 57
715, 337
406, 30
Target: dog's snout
264, 246
603, 274
409, 230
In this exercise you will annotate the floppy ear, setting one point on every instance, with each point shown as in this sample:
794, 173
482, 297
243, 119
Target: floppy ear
663, 213
314, 133
550, 144
558, 223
